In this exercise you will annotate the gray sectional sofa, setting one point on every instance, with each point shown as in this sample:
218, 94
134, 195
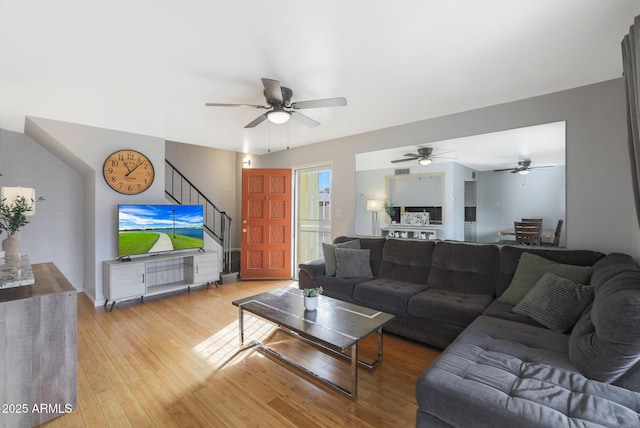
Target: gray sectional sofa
506, 362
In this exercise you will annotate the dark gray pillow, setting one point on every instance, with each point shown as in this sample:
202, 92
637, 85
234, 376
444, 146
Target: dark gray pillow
530, 269
352, 263
329, 252
605, 343
555, 302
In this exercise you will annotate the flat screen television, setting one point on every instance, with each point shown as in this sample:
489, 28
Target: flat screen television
153, 229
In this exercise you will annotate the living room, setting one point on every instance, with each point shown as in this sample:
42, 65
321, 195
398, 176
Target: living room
62, 156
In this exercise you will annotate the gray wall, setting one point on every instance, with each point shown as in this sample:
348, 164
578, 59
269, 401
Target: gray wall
56, 232
598, 217
504, 198
213, 171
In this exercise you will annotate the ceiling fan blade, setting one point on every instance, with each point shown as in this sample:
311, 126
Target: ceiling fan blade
506, 169
327, 102
273, 90
234, 105
257, 121
306, 120
405, 160
412, 155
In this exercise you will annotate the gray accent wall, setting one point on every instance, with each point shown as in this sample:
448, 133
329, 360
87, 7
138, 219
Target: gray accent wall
56, 232
599, 196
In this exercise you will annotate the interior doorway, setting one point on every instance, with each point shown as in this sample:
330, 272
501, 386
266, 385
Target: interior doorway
312, 212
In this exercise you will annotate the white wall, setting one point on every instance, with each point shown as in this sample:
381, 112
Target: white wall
598, 218
85, 148
504, 198
55, 233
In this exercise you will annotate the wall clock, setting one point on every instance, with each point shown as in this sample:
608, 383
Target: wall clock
128, 172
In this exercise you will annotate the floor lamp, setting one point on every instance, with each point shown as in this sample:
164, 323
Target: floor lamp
374, 206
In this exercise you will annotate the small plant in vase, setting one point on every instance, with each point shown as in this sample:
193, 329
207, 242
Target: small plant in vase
311, 297
390, 210
13, 217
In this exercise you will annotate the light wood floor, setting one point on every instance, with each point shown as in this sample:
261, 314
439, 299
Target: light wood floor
173, 361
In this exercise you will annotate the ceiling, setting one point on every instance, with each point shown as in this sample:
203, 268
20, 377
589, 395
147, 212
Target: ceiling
149, 66
543, 145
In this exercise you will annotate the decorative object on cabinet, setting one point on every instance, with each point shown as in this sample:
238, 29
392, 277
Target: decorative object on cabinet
415, 219
411, 232
16, 204
388, 208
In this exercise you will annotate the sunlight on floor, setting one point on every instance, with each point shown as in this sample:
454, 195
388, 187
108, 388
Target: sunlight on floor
222, 349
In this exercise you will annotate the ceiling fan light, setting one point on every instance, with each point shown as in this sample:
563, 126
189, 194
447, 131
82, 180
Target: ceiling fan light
278, 116
424, 161
524, 171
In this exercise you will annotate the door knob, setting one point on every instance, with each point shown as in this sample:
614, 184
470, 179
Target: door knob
244, 230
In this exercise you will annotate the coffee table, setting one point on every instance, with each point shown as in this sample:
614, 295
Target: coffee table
335, 326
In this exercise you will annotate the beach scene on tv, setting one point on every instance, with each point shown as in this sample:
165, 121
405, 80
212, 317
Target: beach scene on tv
158, 228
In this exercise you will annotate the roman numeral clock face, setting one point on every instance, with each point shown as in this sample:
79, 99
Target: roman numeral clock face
128, 172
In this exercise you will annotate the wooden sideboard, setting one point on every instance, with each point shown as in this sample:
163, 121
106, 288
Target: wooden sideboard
38, 362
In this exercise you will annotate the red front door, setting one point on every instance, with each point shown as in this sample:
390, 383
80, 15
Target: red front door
266, 224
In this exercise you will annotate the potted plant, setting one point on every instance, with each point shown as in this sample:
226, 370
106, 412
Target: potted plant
13, 217
388, 208
311, 297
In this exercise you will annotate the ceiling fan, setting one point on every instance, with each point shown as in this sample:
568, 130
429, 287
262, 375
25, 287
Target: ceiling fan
424, 156
524, 167
280, 107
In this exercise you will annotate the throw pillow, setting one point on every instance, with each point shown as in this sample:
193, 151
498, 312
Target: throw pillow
329, 251
352, 263
531, 268
555, 302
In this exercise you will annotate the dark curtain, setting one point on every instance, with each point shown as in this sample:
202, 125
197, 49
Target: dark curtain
630, 46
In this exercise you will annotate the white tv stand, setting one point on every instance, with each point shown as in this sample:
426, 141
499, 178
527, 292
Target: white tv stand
152, 275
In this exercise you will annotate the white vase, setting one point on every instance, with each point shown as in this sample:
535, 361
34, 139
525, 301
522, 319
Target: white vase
11, 245
311, 303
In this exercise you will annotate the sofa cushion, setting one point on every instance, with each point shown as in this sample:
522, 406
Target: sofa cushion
465, 268
386, 294
532, 267
407, 261
505, 311
605, 343
339, 288
555, 302
448, 306
510, 257
352, 263
374, 245
500, 373
329, 252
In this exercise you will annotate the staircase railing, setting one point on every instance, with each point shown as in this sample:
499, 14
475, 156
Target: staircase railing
216, 222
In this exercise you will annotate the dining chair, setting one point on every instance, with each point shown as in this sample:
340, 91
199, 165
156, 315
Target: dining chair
532, 220
556, 236
527, 233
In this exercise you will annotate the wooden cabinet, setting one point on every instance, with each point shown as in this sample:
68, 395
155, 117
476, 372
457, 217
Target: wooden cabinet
149, 276
126, 280
205, 267
38, 362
